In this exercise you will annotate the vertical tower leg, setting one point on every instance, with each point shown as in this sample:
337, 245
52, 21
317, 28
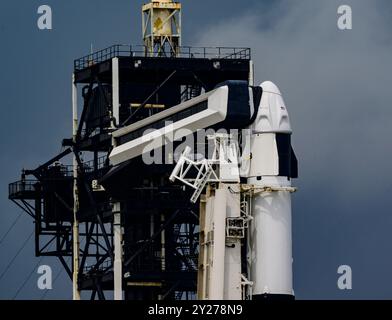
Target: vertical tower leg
219, 275
118, 254
163, 250
203, 250
233, 288
251, 73
163, 245
115, 91
75, 230
118, 251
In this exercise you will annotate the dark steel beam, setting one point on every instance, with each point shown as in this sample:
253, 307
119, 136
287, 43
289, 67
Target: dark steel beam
154, 236
101, 295
48, 243
23, 208
63, 202
93, 294
99, 262
86, 246
36, 172
172, 288
85, 106
94, 205
65, 265
149, 97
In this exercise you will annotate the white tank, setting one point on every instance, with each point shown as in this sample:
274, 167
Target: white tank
270, 229
271, 244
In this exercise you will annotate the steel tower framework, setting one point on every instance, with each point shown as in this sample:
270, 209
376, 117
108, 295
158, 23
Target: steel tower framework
155, 222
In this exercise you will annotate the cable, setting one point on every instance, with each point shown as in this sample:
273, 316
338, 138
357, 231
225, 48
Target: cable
10, 228
16, 255
54, 281
31, 273
28, 278
59, 274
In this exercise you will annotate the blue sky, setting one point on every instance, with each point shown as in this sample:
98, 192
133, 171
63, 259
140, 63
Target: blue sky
336, 85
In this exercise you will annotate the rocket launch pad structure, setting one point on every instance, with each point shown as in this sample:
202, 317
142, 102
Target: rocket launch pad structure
147, 231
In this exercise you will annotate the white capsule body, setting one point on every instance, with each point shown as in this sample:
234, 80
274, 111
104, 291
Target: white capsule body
268, 171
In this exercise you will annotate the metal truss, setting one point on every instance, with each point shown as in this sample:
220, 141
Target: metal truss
222, 167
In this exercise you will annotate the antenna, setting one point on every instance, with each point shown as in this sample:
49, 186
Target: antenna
161, 20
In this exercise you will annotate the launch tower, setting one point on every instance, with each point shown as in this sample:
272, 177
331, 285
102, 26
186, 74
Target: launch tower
127, 228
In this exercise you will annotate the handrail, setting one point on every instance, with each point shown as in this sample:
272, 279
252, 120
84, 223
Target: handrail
21, 186
121, 50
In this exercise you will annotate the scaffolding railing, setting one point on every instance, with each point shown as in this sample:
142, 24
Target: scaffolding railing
21, 187
28, 186
100, 268
102, 162
121, 50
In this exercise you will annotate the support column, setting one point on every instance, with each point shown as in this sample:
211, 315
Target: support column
163, 249
202, 289
118, 252
115, 91
233, 288
163, 245
217, 262
251, 73
75, 229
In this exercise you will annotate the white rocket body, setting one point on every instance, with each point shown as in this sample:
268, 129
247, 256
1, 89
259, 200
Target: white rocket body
271, 245
267, 160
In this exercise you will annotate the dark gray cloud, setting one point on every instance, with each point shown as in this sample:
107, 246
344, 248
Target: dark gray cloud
336, 86
335, 83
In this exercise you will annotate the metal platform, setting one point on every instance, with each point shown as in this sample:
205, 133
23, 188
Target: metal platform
121, 50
